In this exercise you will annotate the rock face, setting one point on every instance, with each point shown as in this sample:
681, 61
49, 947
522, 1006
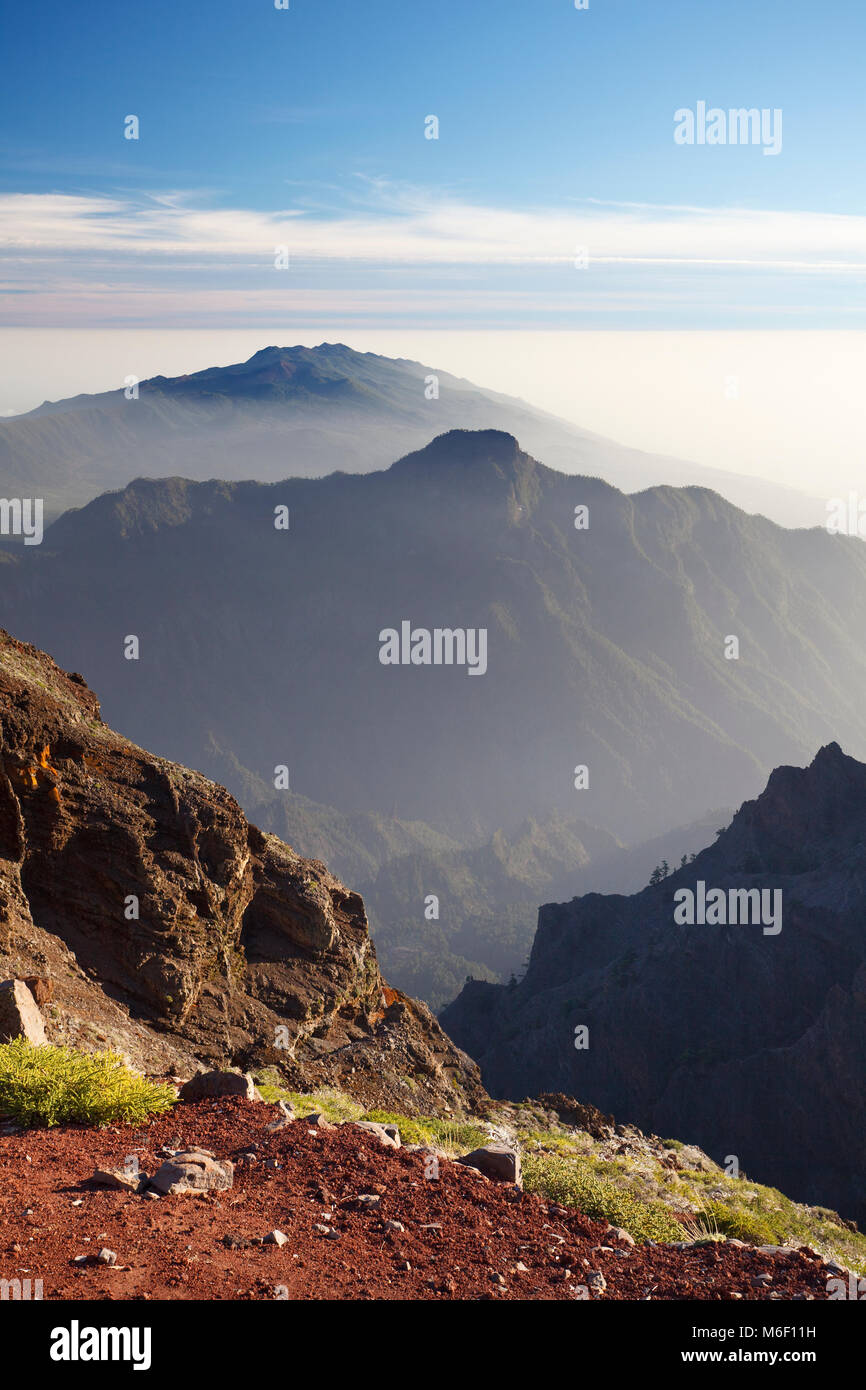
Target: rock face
173, 929
749, 1044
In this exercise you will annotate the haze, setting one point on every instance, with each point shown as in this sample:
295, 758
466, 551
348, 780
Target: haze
784, 406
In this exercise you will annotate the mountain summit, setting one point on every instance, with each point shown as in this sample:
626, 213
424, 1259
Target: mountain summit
330, 371
463, 449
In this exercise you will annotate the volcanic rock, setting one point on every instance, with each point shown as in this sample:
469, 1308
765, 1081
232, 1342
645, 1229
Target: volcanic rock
205, 1085
193, 1170
174, 930
494, 1161
748, 1043
117, 1178
388, 1135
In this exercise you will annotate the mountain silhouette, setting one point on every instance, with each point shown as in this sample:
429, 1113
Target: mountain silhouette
750, 1043
305, 412
606, 647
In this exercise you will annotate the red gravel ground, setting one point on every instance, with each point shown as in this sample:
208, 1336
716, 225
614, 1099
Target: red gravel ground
463, 1234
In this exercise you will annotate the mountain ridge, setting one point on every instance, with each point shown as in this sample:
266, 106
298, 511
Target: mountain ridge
606, 645
309, 412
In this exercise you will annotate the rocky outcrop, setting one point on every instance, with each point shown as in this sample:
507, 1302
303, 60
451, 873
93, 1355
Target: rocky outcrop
173, 929
748, 1042
19, 1014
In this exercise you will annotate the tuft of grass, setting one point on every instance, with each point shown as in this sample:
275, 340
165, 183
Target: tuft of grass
451, 1136
572, 1183
703, 1224
45, 1086
752, 1226
335, 1105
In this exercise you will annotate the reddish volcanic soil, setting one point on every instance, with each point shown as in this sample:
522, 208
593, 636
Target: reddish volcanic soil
463, 1234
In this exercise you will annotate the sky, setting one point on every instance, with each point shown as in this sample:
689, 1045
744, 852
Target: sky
282, 177
305, 128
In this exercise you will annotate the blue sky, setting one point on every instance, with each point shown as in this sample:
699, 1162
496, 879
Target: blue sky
305, 128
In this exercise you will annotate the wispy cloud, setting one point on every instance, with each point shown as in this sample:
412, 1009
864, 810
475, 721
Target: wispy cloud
409, 226
85, 253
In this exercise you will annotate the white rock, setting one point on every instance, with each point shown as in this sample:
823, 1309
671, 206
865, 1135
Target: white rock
20, 1016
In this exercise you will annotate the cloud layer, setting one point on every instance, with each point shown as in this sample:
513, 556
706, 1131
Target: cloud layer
66, 250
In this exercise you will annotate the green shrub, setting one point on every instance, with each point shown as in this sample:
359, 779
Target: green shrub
571, 1183
42, 1086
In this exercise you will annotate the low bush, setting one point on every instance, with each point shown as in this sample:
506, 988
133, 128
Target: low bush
572, 1183
43, 1086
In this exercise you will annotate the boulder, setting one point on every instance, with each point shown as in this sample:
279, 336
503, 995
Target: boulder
388, 1135
317, 1119
496, 1162
207, 1085
193, 1170
19, 1014
285, 1116
117, 1178
620, 1234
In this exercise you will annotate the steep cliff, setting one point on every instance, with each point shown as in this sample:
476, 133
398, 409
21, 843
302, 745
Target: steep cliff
740, 1037
173, 928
